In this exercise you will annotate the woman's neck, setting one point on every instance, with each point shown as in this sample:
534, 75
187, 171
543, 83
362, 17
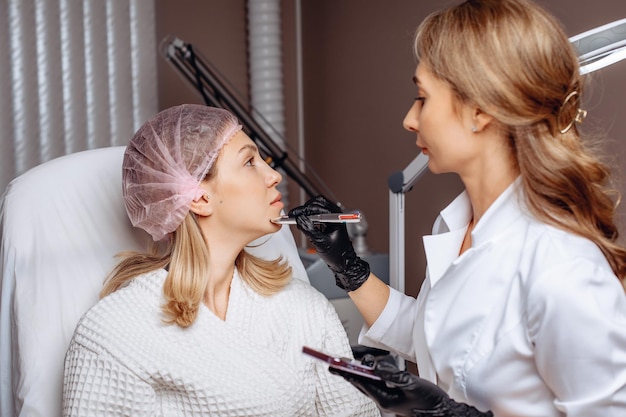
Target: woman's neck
223, 251
484, 184
217, 291
482, 195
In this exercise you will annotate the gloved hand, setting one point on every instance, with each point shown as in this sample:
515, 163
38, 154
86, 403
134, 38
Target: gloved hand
403, 393
332, 243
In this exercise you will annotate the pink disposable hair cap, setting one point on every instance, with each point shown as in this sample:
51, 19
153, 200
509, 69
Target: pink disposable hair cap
166, 161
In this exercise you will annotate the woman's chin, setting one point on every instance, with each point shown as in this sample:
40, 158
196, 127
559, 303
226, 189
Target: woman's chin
271, 227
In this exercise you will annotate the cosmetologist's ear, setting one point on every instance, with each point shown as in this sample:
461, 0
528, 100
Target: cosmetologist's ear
480, 120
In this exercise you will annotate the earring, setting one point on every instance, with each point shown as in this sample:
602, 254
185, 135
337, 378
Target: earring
474, 130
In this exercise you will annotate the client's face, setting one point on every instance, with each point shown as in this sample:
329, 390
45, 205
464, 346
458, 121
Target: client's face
244, 190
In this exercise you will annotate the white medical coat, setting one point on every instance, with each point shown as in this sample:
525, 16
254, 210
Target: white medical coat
530, 321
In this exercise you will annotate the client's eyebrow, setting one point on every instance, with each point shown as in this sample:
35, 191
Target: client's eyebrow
250, 147
416, 81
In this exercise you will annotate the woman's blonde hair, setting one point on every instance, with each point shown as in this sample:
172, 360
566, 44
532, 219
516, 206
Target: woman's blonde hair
186, 256
512, 59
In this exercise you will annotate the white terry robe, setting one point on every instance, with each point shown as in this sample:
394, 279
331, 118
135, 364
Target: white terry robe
124, 360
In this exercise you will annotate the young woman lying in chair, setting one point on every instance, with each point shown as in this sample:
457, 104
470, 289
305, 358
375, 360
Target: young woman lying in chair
201, 327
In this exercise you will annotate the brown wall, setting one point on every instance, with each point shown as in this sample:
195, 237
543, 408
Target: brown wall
357, 87
217, 29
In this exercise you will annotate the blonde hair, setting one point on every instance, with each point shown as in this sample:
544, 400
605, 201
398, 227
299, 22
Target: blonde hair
512, 60
186, 255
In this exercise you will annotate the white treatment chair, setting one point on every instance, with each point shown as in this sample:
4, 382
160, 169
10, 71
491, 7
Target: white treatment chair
61, 225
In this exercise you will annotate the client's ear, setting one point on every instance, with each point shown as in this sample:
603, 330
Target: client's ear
203, 206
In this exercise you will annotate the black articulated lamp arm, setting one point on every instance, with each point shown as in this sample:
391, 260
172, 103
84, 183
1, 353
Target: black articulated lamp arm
216, 92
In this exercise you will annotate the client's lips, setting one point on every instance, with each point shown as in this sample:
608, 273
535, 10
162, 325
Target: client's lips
277, 199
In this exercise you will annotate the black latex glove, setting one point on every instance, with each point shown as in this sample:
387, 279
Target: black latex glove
403, 393
332, 243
